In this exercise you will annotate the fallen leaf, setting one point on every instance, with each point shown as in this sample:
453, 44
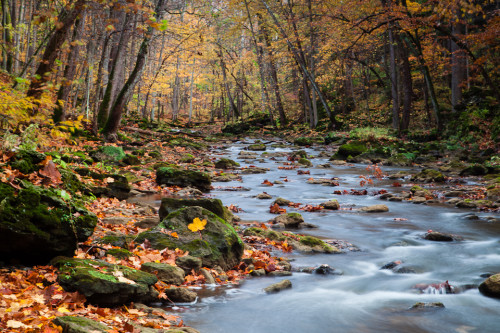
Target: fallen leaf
197, 224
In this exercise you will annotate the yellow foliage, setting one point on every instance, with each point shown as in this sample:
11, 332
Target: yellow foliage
197, 224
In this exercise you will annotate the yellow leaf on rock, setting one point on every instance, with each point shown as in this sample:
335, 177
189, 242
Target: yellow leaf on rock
63, 310
197, 224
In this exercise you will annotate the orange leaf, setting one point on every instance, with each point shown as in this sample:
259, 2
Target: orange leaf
197, 224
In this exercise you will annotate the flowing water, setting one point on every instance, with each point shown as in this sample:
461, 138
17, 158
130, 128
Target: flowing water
364, 298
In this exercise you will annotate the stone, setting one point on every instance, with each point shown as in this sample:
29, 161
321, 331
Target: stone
26, 161
279, 273
105, 284
179, 177
303, 141
418, 200
421, 306
226, 163
217, 244
332, 205
168, 205
429, 176
166, 273
353, 149
77, 324
131, 160
188, 263
474, 170
31, 233
279, 286
264, 196
180, 295
147, 222
375, 209
116, 220
289, 220
491, 286
281, 202
323, 181
257, 147
209, 278
189, 192
119, 253
438, 237
324, 270
258, 272
305, 162
255, 170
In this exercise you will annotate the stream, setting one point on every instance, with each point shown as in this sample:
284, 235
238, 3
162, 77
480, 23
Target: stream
364, 298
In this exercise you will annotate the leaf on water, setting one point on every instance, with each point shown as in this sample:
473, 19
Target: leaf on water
197, 224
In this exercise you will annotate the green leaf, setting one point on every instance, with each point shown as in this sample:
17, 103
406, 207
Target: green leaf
65, 195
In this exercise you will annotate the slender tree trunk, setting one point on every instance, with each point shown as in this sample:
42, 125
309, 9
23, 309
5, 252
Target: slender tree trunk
407, 86
113, 123
54, 44
394, 79
458, 67
69, 72
234, 109
191, 91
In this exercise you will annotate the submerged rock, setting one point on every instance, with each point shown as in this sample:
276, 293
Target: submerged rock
428, 176
421, 306
491, 286
439, 236
216, 244
36, 224
179, 177
279, 286
375, 209
105, 284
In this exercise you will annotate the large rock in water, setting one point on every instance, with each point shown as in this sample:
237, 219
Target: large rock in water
105, 284
36, 225
178, 177
217, 244
491, 286
168, 205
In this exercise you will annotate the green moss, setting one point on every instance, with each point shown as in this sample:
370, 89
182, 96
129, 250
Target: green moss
416, 188
119, 253
80, 325
352, 149
305, 161
187, 158
257, 147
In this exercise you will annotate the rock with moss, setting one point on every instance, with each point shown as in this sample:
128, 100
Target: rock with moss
188, 263
105, 284
352, 149
428, 176
130, 159
117, 185
226, 163
289, 220
180, 295
474, 170
305, 162
119, 253
375, 209
331, 204
108, 154
169, 205
27, 161
187, 158
303, 141
491, 286
116, 239
257, 147
166, 273
281, 202
76, 324
216, 244
179, 177
37, 224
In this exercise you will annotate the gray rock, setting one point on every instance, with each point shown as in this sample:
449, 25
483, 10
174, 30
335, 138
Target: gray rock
281, 202
264, 196
395, 199
332, 204
418, 200
438, 237
375, 209
147, 222
188, 263
209, 278
116, 220
491, 286
179, 177
279, 273
165, 272
421, 306
258, 272
289, 220
279, 286
180, 295
256, 170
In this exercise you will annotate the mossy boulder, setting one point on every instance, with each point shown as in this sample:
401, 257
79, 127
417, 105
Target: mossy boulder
178, 177
305, 162
302, 141
166, 273
74, 324
226, 163
169, 205
108, 154
117, 185
105, 284
257, 147
428, 176
27, 161
130, 159
491, 286
289, 220
187, 158
119, 253
116, 239
352, 149
474, 170
217, 244
36, 224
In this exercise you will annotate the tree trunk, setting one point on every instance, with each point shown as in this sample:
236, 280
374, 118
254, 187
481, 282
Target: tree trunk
54, 44
113, 123
69, 72
458, 67
407, 86
394, 79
